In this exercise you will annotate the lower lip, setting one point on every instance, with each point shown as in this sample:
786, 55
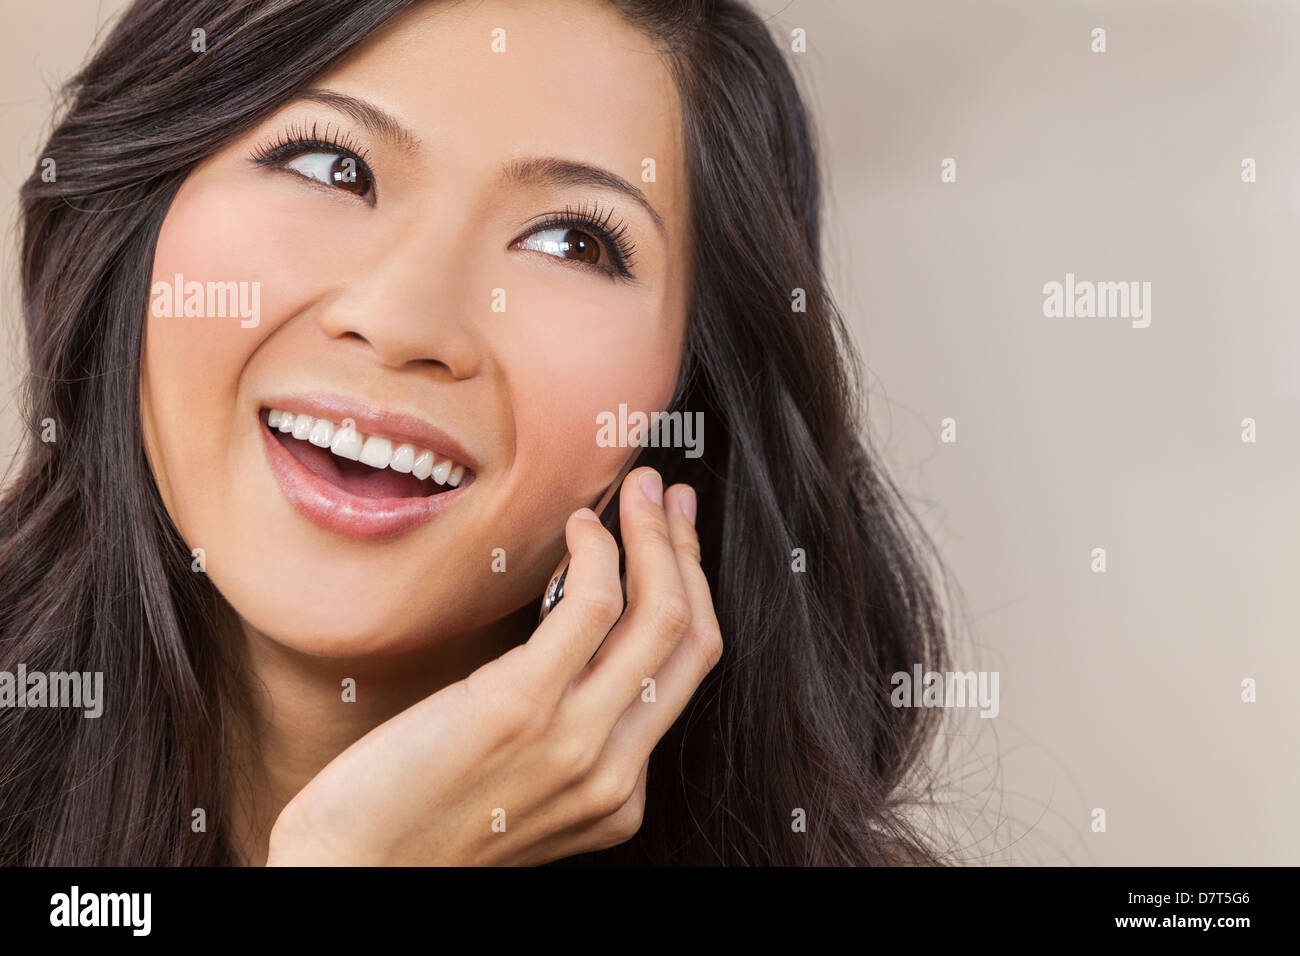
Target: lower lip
330, 507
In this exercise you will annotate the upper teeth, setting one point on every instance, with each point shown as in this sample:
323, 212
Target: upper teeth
371, 450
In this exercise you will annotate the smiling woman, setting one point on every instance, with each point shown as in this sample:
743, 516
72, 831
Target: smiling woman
319, 539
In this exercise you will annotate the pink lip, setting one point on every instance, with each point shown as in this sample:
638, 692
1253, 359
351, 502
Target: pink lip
353, 516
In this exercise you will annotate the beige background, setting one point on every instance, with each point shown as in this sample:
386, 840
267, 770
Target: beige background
1118, 690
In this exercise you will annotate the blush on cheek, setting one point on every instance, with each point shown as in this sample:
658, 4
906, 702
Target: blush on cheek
572, 358
228, 224
209, 237
558, 408
192, 365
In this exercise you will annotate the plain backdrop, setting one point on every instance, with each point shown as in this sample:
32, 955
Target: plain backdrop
1119, 690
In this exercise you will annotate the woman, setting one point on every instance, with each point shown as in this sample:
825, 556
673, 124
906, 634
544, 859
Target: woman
323, 303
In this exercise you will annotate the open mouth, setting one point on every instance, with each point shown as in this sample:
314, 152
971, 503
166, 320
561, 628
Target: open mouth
346, 476
369, 466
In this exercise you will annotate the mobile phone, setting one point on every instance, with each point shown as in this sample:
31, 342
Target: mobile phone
607, 510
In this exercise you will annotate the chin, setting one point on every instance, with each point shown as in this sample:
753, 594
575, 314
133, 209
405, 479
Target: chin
333, 636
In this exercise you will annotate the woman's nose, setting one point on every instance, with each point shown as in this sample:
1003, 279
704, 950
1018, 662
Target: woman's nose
409, 312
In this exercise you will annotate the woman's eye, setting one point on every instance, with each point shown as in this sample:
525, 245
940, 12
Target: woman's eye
566, 243
333, 169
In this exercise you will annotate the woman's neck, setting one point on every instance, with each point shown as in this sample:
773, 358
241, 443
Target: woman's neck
304, 715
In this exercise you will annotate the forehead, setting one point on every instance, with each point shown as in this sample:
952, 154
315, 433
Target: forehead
479, 83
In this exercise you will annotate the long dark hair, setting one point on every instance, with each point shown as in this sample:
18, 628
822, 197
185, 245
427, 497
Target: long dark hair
95, 577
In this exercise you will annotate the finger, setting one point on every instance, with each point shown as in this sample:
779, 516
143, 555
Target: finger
649, 717
593, 600
658, 611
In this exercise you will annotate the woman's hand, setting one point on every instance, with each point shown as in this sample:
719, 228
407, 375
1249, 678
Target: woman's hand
541, 753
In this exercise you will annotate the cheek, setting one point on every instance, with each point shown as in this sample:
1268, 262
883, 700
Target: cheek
575, 355
191, 365
560, 402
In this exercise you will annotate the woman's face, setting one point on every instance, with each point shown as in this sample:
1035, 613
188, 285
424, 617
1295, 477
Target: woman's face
401, 273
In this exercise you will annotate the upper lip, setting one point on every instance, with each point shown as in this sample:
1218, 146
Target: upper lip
370, 420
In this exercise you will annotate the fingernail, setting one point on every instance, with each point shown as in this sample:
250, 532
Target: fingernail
652, 486
586, 514
688, 503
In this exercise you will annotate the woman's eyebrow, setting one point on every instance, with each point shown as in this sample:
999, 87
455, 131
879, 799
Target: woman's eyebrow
552, 170
549, 170
376, 120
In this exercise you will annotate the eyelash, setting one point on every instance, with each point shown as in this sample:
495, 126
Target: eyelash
621, 251
297, 141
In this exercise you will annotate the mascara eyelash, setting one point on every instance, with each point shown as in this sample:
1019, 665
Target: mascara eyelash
295, 140
614, 238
